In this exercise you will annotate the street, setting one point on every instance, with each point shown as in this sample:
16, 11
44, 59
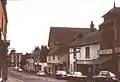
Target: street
25, 77
12, 79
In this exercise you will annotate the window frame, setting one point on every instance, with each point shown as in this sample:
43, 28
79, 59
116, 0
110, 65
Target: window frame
87, 52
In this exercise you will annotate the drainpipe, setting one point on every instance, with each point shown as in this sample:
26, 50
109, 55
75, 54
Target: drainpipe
93, 69
114, 45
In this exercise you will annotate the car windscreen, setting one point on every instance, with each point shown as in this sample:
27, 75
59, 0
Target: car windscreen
77, 73
104, 73
113, 75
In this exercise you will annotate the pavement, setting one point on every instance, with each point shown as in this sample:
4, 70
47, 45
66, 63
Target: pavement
11, 79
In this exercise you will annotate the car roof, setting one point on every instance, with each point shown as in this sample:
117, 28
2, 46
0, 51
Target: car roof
104, 71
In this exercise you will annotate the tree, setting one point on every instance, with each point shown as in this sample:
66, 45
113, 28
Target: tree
43, 53
12, 51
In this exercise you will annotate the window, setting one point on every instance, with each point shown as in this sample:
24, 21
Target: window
49, 69
53, 57
64, 63
71, 50
87, 49
58, 57
74, 53
75, 66
40, 67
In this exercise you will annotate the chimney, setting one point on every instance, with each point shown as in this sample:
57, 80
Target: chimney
92, 27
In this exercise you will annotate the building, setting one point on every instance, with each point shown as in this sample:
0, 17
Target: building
83, 51
23, 60
59, 39
15, 59
33, 63
29, 63
4, 43
36, 54
110, 43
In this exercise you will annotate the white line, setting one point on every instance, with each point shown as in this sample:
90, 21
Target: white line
17, 80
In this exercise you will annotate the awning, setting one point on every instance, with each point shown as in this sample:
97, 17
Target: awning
101, 59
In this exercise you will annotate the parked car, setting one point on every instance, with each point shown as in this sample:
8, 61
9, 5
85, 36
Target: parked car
105, 76
61, 74
20, 70
41, 73
76, 76
16, 68
1, 79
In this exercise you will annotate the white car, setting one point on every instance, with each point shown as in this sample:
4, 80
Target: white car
61, 74
105, 76
1, 79
76, 76
16, 68
41, 73
19, 69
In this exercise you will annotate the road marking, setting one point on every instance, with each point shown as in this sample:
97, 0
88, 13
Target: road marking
17, 80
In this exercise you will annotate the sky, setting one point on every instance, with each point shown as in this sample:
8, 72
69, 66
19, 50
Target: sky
29, 21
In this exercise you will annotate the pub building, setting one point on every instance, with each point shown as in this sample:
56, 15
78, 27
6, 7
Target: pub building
109, 53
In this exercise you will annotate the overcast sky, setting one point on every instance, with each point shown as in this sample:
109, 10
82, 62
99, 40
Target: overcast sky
29, 21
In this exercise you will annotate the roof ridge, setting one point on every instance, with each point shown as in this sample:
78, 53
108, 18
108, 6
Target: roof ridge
71, 27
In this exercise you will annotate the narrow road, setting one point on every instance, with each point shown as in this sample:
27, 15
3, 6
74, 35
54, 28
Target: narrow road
32, 77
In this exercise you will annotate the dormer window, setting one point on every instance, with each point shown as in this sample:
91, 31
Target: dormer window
105, 19
71, 50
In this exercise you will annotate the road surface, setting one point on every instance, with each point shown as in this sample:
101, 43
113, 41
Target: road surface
25, 77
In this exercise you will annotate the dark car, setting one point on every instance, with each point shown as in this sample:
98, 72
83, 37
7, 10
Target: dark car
76, 76
105, 76
60, 74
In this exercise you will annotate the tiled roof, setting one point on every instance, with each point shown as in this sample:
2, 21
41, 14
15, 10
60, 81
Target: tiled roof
59, 50
90, 38
113, 10
66, 34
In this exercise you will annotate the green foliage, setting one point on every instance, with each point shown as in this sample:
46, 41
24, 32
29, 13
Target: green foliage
43, 53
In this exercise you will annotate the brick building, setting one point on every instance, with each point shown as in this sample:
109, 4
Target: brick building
59, 39
15, 59
110, 42
4, 43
